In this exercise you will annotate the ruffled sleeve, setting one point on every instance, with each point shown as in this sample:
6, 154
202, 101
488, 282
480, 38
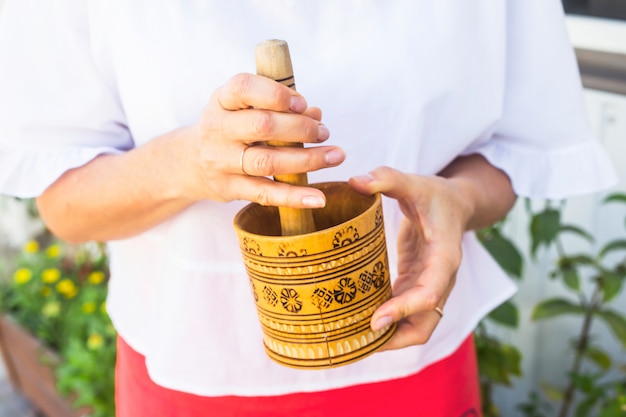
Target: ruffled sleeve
543, 140
58, 110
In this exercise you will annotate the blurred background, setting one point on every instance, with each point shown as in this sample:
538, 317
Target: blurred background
597, 30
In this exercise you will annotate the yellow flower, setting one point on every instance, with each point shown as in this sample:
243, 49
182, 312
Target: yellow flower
31, 247
95, 341
53, 251
67, 288
95, 277
22, 276
51, 309
45, 291
50, 275
103, 307
88, 307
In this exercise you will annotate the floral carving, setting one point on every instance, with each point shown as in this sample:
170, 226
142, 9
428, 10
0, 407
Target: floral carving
345, 236
285, 251
345, 290
379, 274
251, 246
290, 300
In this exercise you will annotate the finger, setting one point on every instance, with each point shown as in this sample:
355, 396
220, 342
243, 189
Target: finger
272, 193
413, 301
244, 91
415, 332
313, 113
268, 161
413, 296
385, 180
255, 125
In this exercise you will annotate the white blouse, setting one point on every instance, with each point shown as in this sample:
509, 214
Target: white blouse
406, 84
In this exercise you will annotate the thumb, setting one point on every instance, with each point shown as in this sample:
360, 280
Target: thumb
385, 180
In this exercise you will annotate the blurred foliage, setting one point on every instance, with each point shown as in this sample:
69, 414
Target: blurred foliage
595, 384
57, 292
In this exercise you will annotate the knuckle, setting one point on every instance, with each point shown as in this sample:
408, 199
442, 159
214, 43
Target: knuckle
431, 300
310, 131
311, 161
239, 84
263, 164
385, 170
280, 97
263, 196
263, 125
404, 311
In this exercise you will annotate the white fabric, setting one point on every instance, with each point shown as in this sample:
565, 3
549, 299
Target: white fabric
406, 84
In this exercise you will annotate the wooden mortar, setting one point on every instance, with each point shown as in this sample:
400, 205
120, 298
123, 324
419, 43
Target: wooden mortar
317, 276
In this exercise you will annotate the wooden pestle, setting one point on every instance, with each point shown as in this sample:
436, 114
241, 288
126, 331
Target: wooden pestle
273, 61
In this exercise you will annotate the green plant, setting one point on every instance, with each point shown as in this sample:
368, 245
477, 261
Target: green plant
498, 362
593, 280
58, 292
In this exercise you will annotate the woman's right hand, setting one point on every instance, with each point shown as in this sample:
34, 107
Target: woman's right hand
227, 150
115, 196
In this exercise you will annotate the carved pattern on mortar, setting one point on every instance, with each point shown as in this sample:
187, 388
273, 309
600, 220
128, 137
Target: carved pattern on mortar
321, 327
314, 268
342, 290
345, 237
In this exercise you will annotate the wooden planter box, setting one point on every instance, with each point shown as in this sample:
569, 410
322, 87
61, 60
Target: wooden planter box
29, 367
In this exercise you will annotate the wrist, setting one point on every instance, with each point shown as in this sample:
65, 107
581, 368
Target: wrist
465, 197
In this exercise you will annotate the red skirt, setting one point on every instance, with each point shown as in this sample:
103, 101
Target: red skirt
448, 388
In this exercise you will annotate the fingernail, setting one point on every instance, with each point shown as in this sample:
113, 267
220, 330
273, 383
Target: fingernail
382, 322
297, 104
313, 201
365, 179
334, 156
322, 133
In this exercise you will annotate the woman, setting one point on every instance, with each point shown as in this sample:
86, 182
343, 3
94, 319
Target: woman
132, 123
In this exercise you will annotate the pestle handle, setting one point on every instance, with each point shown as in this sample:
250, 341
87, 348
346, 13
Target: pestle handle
273, 61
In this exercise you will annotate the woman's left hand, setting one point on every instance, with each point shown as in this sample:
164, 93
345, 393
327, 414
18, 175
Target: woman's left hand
429, 250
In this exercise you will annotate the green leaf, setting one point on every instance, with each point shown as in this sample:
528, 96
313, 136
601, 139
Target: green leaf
599, 357
616, 322
544, 228
555, 307
612, 246
513, 359
616, 197
611, 284
490, 365
577, 231
586, 383
571, 279
503, 250
580, 259
506, 314
497, 362
552, 392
